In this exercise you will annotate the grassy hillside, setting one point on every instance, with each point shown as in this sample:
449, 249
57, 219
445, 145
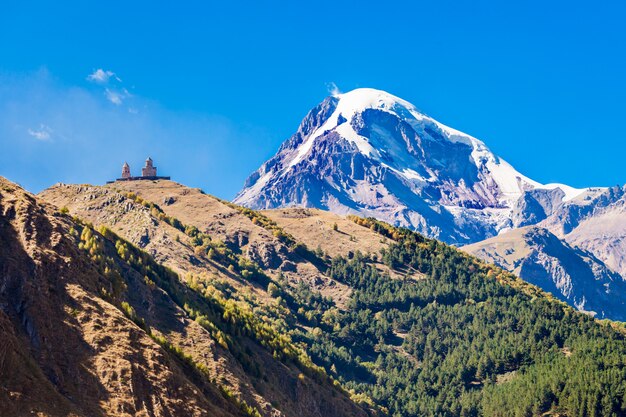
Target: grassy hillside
408, 325
92, 325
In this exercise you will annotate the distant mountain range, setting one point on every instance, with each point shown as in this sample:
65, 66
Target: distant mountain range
370, 153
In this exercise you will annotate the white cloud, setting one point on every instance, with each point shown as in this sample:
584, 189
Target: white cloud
116, 97
333, 89
111, 84
43, 133
101, 76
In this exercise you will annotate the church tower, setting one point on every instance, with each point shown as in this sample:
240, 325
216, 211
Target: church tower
149, 170
126, 171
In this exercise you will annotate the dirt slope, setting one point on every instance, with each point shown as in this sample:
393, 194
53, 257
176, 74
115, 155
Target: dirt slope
334, 234
125, 209
66, 351
90, 326
108, 205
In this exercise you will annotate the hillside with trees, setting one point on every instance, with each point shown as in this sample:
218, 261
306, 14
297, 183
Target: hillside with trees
408, 327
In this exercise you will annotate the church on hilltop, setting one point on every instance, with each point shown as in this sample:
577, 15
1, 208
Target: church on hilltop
148, 172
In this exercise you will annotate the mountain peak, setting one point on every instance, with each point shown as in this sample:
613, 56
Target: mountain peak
371, 153
363, 98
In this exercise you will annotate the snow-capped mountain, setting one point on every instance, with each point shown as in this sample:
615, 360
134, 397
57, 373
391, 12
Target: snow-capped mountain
370, 153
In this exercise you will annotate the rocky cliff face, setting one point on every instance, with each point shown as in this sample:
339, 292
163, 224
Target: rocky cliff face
595, 223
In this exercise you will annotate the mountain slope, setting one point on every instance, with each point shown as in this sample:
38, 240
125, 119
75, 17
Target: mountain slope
596, 224
580, 253
143, 341
136, 216
374, 154
576, 276
51, 305
416, 327
241, 233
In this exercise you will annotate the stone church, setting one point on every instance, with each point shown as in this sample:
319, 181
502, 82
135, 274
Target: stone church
148, 172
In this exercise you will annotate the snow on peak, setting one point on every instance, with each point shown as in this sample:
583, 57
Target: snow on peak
348, 105
369, 98
401, 161
357, 101
510, 182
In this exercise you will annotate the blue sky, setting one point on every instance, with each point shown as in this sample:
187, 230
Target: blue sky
211, 90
